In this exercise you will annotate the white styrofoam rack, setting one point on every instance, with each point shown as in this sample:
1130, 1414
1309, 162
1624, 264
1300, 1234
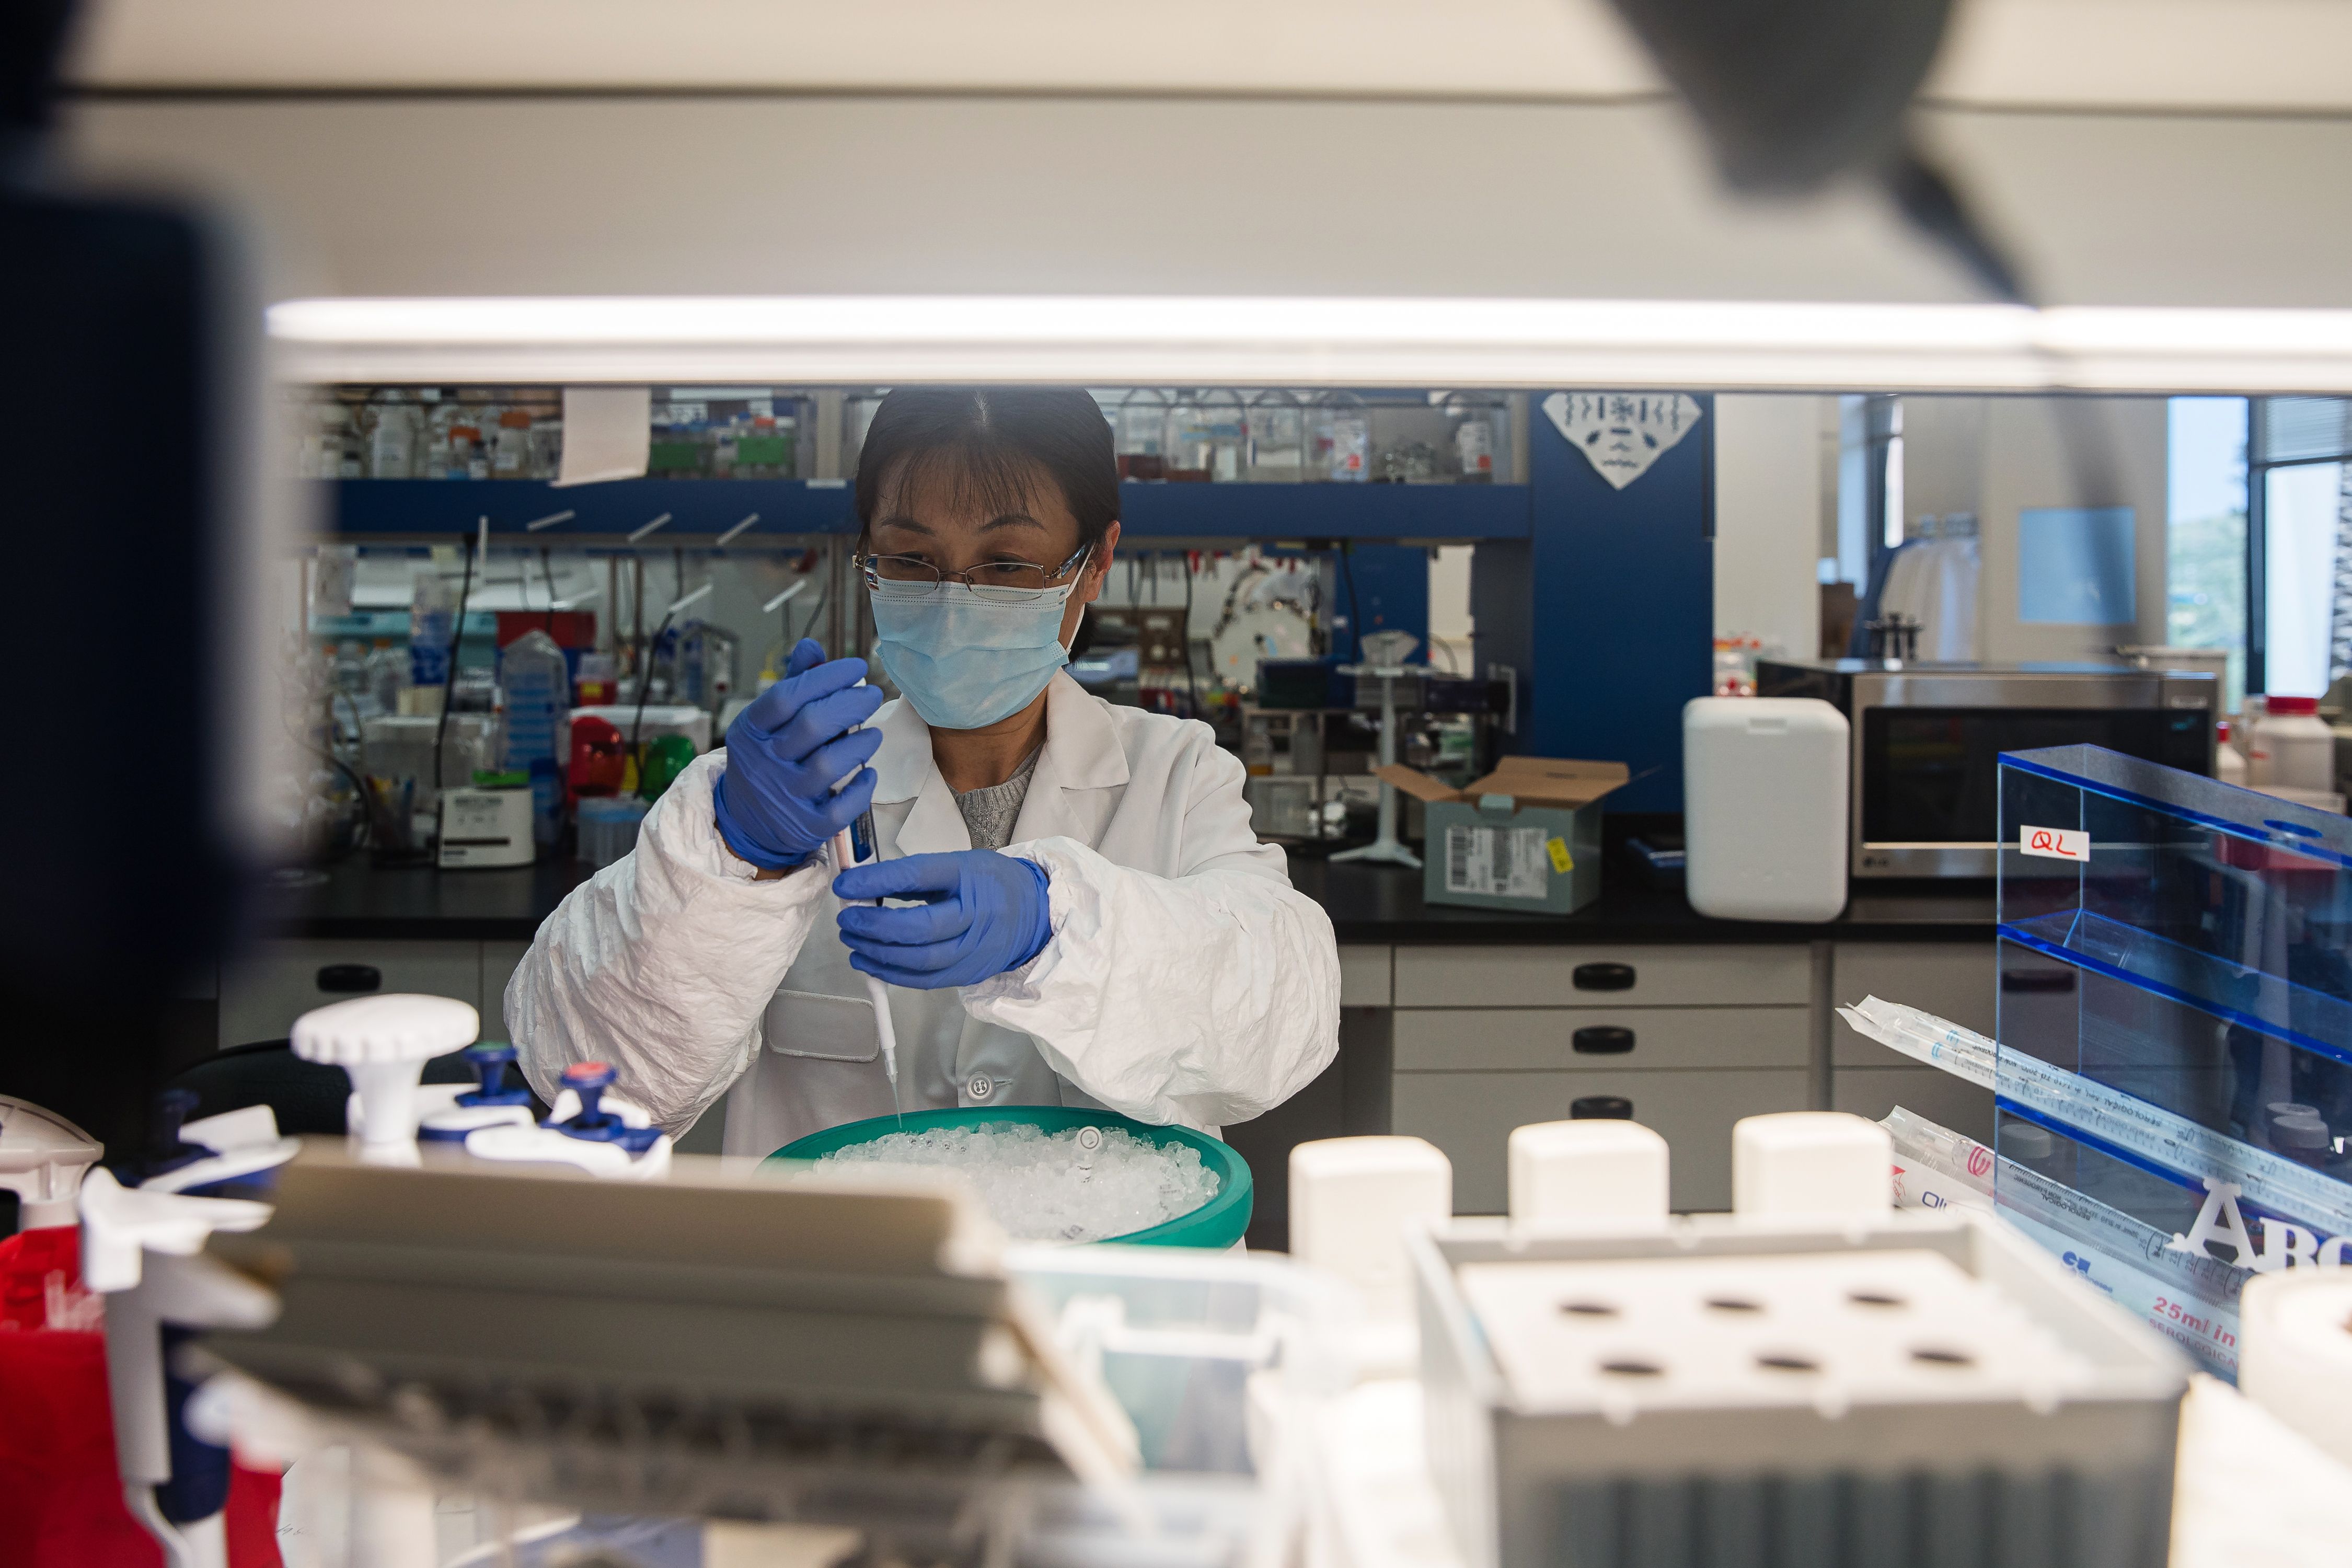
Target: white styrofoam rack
1819, 1331
1903, 1390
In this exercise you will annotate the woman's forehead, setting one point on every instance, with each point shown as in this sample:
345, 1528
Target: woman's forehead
964, 492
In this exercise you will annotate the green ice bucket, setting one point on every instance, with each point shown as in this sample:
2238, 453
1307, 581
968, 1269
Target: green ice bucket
1218, 1223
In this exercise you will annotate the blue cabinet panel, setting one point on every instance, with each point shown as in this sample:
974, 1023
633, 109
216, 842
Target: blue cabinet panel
1621, 621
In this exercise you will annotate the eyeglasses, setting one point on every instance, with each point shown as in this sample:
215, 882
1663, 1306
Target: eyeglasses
911, 576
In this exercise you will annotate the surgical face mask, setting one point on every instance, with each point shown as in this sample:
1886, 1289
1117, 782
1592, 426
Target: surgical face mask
968, 658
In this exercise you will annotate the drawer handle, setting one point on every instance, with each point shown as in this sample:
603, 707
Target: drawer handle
2029, 980
349, 979
1601, 1040
1601, 1107
1604, 977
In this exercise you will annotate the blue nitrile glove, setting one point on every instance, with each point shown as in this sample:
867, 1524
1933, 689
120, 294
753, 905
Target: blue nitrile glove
775, 803
982, 914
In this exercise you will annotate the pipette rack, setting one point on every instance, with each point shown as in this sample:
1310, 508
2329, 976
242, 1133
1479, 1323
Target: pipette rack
1714, 1389
2175, 1014
737, 1345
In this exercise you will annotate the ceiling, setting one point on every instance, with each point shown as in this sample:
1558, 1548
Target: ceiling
2204, 55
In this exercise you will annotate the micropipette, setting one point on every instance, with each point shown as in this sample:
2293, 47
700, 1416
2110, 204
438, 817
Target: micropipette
854, 846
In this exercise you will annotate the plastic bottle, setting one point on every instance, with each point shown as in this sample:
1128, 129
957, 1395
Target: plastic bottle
1276, 424
1142, 434
1482, 435
387, 675
510, 459
2291, 746
2229, 763
467, 461
538, 695
347, 674
600, 680
432, 620
433, 454
1340, 440
392, 447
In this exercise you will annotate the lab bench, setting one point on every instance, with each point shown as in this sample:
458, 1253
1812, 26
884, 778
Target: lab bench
1455, 1025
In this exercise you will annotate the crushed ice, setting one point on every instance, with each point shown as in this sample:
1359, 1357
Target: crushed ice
1043, 1187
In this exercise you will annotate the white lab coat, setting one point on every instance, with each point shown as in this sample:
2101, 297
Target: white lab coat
1186, 980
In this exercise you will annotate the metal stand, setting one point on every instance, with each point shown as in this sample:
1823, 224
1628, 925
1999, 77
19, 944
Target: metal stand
1386, 846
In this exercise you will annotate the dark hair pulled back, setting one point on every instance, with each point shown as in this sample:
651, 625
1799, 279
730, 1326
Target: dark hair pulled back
994, 441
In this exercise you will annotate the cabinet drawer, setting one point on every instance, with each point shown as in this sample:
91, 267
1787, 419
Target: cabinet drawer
499, 961
1598, 1039
276, 983
1470, 1116
1953, 980
1931, 1092
1698, 977
1364, 975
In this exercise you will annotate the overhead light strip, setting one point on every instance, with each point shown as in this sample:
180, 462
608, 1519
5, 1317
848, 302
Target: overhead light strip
1245, 342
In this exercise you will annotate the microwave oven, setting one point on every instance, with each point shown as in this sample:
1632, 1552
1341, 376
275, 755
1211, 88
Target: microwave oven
1924, 797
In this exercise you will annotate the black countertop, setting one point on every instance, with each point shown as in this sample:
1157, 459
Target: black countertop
1383, 904
360, 901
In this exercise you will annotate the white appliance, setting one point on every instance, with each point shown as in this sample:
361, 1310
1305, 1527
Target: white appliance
484, 827
1764, 804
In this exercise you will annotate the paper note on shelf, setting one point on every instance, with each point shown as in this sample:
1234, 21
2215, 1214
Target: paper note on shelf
2054, 843
607, 433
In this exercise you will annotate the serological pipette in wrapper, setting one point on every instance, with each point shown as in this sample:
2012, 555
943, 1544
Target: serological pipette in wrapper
854, 846
1925, 1037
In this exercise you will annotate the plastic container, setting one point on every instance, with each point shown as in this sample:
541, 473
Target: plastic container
538, 685
400, 747
1340, 440
2176, 1012
511, 456
2229, 763
1481, 432
608, 828
431, 625
1142, 434
656, 719
2291, 746
707, 657
1205, 438
1765, 814
1220, 1222
1277, 427
393, 443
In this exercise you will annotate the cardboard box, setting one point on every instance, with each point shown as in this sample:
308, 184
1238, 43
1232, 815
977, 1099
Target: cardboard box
1527, 838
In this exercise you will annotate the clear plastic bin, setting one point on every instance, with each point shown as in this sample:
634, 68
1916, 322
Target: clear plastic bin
608, 828
2175, 1015
1178, 1339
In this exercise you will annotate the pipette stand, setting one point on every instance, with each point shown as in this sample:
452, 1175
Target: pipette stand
1386, 846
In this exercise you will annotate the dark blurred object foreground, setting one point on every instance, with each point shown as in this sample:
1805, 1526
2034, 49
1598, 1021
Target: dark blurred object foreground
127, 486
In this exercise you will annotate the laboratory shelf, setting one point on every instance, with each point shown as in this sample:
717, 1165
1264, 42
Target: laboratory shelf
701, 509
2269, 1004
2176, 1029
1325, 511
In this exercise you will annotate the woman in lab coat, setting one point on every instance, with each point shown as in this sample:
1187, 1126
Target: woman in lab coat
1081, 915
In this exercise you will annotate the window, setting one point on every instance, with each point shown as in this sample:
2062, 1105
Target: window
2205, 551
2300, 529
1870, 481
